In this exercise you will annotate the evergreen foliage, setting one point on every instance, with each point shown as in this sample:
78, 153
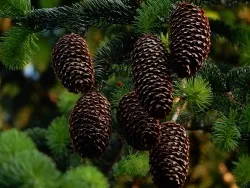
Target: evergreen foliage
118, 93
84, 176
66, 101
133, 165
151, 14
17, 48
216, 100
239, 78
14, 8
211, 72
226, 134
116, 50
31, 169
196, 91
58, 136
12, 142
38, 136
242, 171
80, 16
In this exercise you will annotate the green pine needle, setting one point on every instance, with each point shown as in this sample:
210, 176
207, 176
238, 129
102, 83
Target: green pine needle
239, 78
242, 171
134, 165
84, 176
14, 8
13, 142
211, 72
17, 48
148, 18
30, 169
197, 92
118, 93
225, 134
67, 101
58, 136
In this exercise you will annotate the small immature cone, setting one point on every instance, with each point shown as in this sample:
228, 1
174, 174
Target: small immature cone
72, 63
169, 160
139, 130
189, 39
90, 125
152, 79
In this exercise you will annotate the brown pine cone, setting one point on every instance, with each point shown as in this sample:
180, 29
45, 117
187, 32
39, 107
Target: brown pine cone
151, 77
72, 63
90, 125
189, 39
139, 130
169, 160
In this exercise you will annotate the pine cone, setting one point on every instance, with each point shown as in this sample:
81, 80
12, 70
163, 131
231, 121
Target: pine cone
151, 77
90, 125
189, 39
139, 130
169, 159
72, 64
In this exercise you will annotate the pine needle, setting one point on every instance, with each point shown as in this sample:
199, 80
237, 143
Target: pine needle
84, 176
29, 169
196, 91
242, 171
14, 8
17, 48
134, 165
149, 15
13, 142
225, 134
58, 136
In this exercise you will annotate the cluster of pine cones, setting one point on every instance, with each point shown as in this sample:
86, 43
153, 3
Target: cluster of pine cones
140, 111
90, 119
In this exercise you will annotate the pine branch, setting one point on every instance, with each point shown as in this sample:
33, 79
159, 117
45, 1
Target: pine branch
223, 102
134, 165
151, 15
242, 171
38, 134
80, 16
29, 169
58, 136
66, 101
196, 91
239, 78
14, 8
17, 48
225, 133
13, 142
211, 72
116, 51
118, 93
84, 176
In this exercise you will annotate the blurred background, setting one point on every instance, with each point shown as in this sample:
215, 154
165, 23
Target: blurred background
29, 98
